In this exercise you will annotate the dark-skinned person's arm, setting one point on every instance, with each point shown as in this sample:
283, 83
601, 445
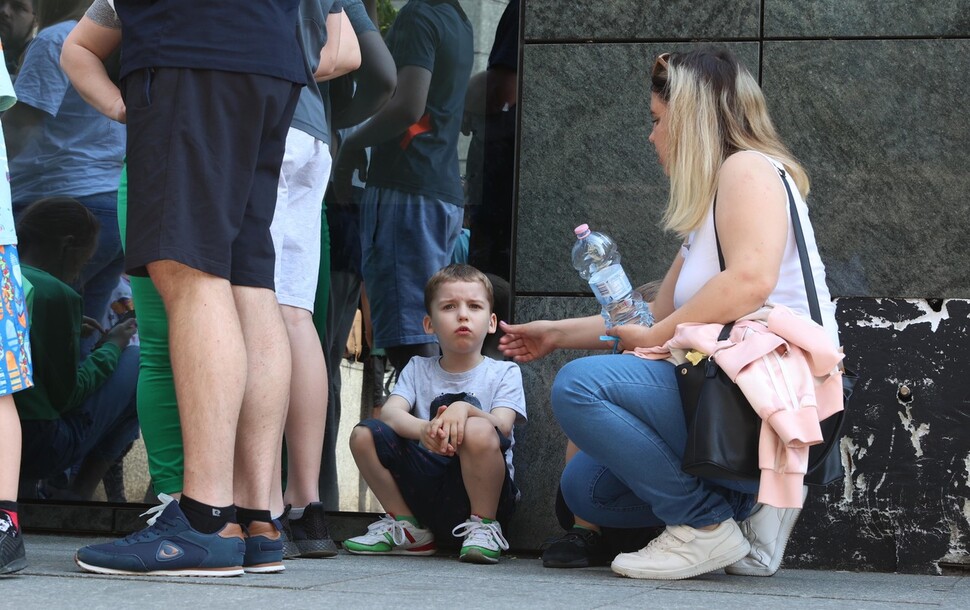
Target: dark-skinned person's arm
405, 108
375, 82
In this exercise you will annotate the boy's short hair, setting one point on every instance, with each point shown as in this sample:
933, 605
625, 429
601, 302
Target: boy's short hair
457, 272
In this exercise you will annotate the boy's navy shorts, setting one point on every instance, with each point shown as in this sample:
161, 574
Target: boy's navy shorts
204, 155
431, 484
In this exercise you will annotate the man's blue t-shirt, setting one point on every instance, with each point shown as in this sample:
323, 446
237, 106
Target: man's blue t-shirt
77, 151
310, 115
248, 36
435, 35
357, 14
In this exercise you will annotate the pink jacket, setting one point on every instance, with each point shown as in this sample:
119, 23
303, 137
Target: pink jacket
788, 370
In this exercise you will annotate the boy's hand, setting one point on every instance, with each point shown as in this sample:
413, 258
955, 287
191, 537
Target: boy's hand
89, 326
453, 418
435, 439
122, 333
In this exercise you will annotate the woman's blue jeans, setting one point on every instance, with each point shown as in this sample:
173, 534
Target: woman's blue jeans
625, 415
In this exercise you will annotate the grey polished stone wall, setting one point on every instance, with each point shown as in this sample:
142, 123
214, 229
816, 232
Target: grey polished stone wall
870, 97
540, 444
641, 19
585, 158
878, 125
886, 18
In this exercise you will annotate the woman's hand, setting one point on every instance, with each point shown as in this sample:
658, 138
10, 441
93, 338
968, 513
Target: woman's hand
633, 335
528, 342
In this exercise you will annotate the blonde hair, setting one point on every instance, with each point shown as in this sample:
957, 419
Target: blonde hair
715, 108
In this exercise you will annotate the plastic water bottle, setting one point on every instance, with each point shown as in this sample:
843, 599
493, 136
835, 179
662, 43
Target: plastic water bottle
596, 258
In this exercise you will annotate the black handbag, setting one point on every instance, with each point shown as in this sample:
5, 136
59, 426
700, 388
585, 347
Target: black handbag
722, 427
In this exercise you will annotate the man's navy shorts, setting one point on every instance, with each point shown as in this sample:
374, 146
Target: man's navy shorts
204, 155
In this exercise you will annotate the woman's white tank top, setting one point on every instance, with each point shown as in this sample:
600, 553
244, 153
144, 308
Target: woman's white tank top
701, 264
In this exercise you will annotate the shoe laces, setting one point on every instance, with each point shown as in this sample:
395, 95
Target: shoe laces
661, 544
388, 525
156, 511
156, 525
477, 533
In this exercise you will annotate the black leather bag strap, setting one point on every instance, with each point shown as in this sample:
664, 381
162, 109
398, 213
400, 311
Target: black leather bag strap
813, 306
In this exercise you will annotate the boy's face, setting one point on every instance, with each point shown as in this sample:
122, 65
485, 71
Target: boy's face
460, 317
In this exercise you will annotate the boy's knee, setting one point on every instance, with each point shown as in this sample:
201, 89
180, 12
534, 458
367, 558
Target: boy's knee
361, 440
480, 435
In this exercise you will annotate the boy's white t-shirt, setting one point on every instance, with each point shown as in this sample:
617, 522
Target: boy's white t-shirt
7, 99
492, 384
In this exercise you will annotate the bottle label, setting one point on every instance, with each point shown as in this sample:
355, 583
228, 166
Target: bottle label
610, 284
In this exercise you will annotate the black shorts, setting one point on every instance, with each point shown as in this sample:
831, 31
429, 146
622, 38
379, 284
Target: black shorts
431, 484
204, 155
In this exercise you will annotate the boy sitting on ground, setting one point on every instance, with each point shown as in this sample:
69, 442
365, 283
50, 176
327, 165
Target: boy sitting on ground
439, 459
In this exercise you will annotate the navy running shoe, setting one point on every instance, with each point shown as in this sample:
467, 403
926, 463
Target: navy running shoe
168, 547
264, 548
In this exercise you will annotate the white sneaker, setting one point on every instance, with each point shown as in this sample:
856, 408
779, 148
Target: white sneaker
390, 536
483, 543
767, 530
684, 552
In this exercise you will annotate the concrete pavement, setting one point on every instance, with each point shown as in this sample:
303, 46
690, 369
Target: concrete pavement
347, 581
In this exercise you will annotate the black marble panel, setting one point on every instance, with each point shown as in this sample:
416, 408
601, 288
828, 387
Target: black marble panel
585, 157
641, 19
880, 127
540, 444
903, 505
835, 18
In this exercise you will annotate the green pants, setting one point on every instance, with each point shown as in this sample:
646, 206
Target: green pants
158, 411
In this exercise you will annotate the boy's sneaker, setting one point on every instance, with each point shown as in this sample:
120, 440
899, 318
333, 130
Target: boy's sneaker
169, 547
684, 552
264, 548
309, 535
483, 542
767, 529
578, 548
12, 555
390, 536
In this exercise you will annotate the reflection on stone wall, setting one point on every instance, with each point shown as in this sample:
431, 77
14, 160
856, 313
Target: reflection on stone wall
879, 125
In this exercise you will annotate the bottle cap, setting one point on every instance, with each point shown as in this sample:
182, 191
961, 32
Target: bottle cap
581, 231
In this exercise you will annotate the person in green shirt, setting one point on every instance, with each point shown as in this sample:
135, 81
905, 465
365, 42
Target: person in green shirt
78, 412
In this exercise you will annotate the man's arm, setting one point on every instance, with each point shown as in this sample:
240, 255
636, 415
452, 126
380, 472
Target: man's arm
82, 58
405, 108
376, 79
341, 54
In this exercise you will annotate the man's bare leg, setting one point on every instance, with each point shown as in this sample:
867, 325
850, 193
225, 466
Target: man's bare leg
307, 415
267, 392
209, 365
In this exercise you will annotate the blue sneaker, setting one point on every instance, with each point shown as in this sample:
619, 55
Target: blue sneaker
168, 547
264, 548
